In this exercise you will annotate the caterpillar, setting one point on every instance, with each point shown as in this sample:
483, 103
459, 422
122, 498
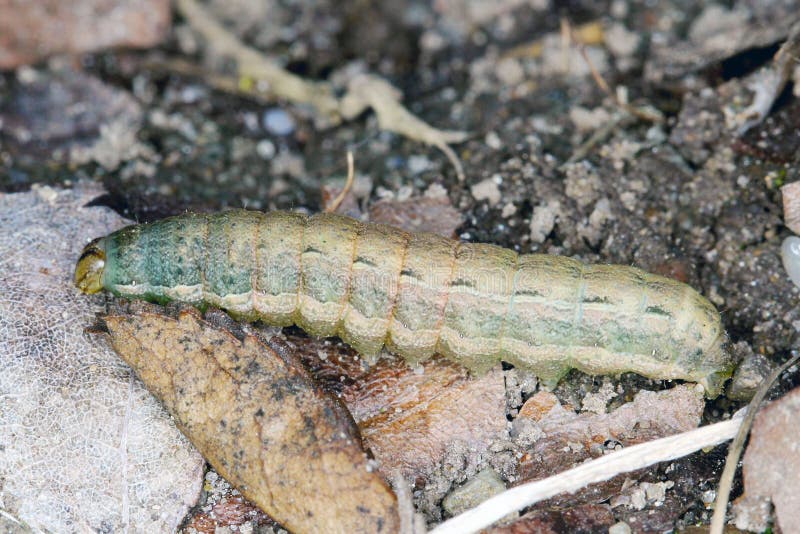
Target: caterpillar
417, 294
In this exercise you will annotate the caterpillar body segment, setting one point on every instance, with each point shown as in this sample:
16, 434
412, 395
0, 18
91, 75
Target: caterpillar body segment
417, 294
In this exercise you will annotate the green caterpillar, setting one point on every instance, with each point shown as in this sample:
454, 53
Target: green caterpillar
417, 294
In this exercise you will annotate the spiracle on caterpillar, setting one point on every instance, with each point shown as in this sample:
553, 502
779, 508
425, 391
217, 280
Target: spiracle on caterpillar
417, 294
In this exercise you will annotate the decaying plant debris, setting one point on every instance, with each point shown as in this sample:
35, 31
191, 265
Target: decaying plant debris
255, 414
552, 427
409, 416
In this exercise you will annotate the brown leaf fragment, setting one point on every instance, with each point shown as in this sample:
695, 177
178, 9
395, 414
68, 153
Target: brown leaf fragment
584, 518
30, 31
225, 507
232, 511
408, 417
771, 468
333, 364
257, 417
564, 439
538, 405
420, 214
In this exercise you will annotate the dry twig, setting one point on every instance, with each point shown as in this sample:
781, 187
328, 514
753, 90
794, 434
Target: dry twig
645, 113
370, 91
364, 91
333, 206
250, 63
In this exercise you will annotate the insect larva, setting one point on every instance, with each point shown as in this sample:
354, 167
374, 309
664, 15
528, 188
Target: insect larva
375, 285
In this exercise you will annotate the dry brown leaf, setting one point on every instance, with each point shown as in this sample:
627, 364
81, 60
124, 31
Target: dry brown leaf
409, 416
771, 468
256, 415
566, 438
30, 31
419, 214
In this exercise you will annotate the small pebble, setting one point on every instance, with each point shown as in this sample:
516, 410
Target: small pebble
418, 164
493, 141
265, 149
278, 122
749, 374
619, 528
485, 484
790, 253
486, 190
510, 72
508, 210
192, 93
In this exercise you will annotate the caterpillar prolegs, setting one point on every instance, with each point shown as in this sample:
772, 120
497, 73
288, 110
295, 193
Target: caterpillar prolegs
417, 294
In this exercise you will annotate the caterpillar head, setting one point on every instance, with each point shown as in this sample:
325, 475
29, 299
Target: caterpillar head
89, 269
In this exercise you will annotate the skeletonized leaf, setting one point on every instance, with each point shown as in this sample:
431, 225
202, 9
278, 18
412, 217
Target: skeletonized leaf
83, 446
256, 415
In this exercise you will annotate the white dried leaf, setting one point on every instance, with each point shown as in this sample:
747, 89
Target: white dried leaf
83, 446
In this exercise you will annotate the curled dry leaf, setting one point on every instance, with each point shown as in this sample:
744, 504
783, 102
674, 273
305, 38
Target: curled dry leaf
771, 468
256, 415
760, 89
